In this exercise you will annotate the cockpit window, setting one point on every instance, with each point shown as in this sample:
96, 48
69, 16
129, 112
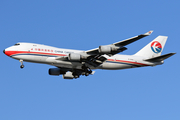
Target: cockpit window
16, 44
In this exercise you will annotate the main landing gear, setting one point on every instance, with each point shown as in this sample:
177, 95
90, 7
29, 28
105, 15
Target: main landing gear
21, 66
87, 70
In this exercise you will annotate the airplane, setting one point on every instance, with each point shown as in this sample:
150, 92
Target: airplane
71, 64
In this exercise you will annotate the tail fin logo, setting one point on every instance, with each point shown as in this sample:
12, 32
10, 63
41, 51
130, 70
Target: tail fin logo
156, 47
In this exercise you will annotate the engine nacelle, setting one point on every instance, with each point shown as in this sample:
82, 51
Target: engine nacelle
56, 71
107, 49
75, 57
68, 75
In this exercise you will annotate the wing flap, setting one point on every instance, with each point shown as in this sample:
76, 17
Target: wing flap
95, 60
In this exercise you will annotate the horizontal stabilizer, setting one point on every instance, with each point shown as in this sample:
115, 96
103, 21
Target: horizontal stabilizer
160, 58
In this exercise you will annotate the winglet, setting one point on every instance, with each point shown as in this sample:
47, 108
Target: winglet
149, 33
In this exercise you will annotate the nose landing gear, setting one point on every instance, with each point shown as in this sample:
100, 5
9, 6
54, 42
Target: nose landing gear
21, 66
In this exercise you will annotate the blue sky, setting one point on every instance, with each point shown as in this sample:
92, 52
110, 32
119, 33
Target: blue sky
133, 94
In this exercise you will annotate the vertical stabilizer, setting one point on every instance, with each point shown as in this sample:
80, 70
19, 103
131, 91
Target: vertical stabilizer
154, 48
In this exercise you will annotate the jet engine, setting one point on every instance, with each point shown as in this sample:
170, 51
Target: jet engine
107, 49
75, 57
56, 71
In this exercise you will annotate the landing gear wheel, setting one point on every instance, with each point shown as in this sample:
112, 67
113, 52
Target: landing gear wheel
22, 66
87, 70
76, 76
86, 74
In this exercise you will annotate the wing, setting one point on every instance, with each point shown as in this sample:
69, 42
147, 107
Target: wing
95, 57
118, 46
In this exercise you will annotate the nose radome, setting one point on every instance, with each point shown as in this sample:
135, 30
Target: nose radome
4, 51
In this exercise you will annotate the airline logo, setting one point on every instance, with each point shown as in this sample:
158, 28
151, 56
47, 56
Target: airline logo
156, 47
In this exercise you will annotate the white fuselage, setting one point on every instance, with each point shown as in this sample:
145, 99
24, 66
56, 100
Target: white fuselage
39, 53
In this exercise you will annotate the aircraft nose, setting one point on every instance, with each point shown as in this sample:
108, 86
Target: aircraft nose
4, 51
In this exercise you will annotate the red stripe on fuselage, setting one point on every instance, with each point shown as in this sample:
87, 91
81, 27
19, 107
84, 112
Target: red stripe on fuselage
10, 53
130, 62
